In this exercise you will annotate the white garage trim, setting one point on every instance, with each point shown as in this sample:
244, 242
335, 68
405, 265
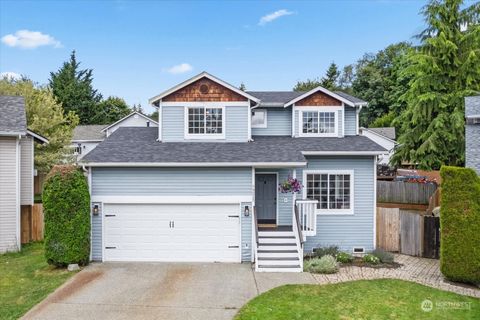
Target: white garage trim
172, 199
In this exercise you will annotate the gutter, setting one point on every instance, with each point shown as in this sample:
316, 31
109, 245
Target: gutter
196, 164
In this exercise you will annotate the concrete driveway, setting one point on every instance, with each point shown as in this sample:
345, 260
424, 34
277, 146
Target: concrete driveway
159, 291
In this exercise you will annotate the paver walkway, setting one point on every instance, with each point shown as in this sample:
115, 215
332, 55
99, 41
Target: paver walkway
420, 270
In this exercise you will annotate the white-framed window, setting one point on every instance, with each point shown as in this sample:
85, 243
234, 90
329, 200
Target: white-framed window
78, 149
205, 122
259, 118
332, 189
318, 123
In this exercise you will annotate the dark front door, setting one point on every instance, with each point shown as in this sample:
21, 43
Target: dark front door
266, 198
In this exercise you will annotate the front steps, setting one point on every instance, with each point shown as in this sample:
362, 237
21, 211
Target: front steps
277, 251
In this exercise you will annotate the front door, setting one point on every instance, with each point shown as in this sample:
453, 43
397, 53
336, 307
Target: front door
266, 198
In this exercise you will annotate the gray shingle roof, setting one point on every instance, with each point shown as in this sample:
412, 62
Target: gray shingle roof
472, 106
349, 97
12, 115
279, 98
92, 132
388, 132
138, 144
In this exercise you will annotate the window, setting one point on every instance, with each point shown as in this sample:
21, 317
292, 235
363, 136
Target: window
332, 190
77, 149
259, 118
318, 123
205, 121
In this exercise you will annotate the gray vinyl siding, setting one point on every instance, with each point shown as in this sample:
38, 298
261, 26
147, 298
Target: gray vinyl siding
350, 121
279, 123
246, 232
339, 123
472, 148
347, 231
8, 194
171, 181
96, 242
26, 171
284, 200
236, 124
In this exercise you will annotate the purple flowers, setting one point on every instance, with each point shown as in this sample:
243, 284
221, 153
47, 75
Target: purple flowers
290, 185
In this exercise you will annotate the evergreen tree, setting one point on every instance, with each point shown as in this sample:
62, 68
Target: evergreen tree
306, 85
444, 69
111, 110
72, 87
346, 78
243, 87
330, 81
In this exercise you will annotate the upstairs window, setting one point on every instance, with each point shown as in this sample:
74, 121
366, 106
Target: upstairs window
334, 191
259, 118
318, 123
205, 122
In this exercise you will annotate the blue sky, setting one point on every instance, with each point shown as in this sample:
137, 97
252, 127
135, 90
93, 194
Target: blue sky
141, 48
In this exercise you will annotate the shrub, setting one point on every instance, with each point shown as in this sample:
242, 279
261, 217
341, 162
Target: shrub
460, 225
322, 251
325, 264
344, 257
66, 203
370, 258
384, 256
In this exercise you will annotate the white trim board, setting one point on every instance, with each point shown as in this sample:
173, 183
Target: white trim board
126, 117
343, 153
172, 199
321, 89
196, 164
204, 74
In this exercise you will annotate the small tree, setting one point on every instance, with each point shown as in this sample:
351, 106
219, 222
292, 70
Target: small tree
111, 110
66, 203
330, 81
460, 225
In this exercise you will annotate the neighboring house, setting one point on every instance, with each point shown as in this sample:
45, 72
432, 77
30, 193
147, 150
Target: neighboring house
384, 137
472, 133
87, 137
16, 169
204, 185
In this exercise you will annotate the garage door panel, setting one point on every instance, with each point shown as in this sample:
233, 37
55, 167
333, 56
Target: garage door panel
203, 233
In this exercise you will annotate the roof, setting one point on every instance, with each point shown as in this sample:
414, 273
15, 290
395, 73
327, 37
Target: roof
90, 132
13, 120
332, 94
351, 98
199, 76
388, 132
275, 98
472, 106
138, 145
128, 116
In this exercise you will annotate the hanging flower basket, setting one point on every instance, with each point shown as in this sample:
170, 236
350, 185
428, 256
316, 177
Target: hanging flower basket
290, 185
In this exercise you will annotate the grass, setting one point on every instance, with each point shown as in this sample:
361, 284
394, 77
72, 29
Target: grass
365, 299
26, 279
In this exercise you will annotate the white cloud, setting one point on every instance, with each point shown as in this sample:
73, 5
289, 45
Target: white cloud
27, 39
10, 75
273, 16
180, 68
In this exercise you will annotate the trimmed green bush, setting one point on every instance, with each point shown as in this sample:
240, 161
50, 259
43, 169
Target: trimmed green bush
384, 256
66, 206
460, 225
344, 257
325, 264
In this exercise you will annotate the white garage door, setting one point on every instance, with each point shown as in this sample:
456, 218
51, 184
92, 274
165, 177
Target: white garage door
172, 232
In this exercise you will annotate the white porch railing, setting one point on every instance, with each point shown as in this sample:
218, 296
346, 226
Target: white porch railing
308, 216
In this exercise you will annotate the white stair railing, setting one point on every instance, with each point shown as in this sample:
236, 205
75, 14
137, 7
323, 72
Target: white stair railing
308, 216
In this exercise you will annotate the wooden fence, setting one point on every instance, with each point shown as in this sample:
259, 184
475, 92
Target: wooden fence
32, 223
404, 192
408, 232
38, 182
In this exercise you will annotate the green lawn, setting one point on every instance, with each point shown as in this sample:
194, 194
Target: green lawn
365, 299
26, 279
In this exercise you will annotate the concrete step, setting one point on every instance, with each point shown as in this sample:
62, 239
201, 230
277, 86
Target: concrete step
278, 262
278, 254
279, 268
277, 246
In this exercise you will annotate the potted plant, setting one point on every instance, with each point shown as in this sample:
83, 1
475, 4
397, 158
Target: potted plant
290, 185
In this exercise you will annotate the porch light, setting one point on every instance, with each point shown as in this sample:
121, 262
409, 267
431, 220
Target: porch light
95, 209
246, 212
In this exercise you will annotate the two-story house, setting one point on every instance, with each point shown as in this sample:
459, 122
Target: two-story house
204, 185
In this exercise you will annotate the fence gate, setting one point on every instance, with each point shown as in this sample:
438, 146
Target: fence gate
388, 229
411, 235
431, 237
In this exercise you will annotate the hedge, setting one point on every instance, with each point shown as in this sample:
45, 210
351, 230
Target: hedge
66, 205
460, 225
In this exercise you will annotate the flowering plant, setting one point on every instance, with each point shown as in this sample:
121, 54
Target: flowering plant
290, 185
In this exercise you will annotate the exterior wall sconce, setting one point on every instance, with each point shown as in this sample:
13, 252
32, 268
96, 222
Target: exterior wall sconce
95, 209
246, 212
